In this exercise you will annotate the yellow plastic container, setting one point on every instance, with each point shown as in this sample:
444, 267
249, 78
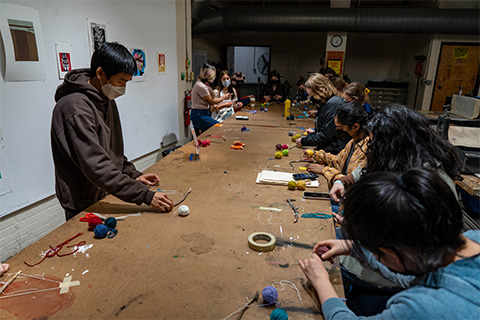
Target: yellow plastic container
288, 104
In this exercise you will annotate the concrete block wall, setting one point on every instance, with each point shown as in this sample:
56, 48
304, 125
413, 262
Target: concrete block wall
21, 228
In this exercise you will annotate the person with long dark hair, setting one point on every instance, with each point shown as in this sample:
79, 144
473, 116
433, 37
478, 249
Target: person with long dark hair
403, 139
411, 223
225, 90
274, 88
351, 121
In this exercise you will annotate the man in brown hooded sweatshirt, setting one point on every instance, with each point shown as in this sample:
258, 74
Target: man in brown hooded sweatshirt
86, 136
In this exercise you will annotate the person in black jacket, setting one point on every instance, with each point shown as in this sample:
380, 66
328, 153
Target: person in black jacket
274, 88
322, 94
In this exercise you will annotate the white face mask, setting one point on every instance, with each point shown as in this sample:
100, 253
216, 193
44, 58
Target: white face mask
112, 92
226, 83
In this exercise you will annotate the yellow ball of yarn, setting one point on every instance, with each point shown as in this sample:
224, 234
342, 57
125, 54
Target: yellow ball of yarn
301, 185
278, 155
291, 185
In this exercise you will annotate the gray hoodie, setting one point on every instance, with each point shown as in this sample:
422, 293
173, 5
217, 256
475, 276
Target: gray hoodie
87, 147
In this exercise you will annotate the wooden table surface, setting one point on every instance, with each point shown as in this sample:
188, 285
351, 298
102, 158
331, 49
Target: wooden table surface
163, 266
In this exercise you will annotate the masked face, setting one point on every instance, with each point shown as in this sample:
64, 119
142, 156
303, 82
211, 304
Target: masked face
112, 92
226, 83
343, 135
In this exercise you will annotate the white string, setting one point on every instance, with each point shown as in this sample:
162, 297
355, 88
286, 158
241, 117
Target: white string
167, 191
237, 311
286, 283
268, 219
25, 293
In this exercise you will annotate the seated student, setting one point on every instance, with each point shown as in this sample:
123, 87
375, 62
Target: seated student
203, 102
323, 95
357, 92
4, 268
302, 95
403, 139
351, 121
273, 88
340, 85
86, 137
412, 224
228, 106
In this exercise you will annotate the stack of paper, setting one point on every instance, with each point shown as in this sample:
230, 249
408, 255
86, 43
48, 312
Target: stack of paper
280, 178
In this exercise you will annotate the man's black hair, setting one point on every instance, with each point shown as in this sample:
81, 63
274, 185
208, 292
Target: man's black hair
114, 58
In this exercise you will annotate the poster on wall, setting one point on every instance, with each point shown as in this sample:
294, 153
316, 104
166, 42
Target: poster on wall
97, 33
141, 59
64, 59
161, 63
335, 61
23, 42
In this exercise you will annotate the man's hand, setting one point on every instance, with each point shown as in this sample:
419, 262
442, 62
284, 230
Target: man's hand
314, 269
309, 130
315, 168
162, 201
149, 179
312, 112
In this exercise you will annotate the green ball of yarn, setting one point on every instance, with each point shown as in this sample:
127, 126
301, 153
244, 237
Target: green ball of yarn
285, 152
111, 222
279, 314
278, 155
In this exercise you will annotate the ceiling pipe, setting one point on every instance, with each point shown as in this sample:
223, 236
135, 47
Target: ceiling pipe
371, 20
199, 10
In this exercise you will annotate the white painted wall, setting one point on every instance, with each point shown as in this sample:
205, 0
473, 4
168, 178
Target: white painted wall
151, 111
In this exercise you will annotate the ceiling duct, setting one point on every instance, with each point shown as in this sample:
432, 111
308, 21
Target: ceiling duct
371, 20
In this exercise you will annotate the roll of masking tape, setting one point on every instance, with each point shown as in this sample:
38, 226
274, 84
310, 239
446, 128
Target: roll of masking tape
267, 244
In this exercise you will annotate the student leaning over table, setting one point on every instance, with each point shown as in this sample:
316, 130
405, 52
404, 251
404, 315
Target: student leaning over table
86, 137
421, 235
323, 95
351, 120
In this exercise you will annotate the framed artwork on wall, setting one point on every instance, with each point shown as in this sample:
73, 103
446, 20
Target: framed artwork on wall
64, 58
23, 42
97, 33
140, 56
161, 58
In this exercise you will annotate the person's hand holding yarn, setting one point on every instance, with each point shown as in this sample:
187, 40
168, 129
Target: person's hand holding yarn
149, 179
299, 142
315, 168
337, 248
314, 269
338, 217
161, 201
4, 268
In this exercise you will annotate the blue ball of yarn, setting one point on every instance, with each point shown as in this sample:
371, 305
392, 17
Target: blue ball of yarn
279, 314
270, 295
111, 222
101, 231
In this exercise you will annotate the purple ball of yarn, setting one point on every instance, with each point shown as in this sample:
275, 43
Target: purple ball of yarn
270, 295
101, 231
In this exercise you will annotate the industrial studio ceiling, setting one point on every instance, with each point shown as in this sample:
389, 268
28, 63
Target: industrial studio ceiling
218, 4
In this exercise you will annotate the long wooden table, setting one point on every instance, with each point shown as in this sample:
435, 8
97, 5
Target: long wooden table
163, 266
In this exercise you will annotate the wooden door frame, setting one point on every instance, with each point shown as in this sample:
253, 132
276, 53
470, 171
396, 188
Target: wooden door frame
447, 43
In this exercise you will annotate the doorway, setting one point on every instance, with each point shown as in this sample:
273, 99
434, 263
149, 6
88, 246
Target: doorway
457, 71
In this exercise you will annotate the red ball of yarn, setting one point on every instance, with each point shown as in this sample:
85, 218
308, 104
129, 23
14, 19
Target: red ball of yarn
285, 146
208, 142
204, 143
321, 250
93, 222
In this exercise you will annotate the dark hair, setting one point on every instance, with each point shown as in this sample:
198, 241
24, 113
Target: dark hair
220, 85
113, 58
300, 81
351, 113
403, 139
329, 70
338, 83
415, 212
274, 73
